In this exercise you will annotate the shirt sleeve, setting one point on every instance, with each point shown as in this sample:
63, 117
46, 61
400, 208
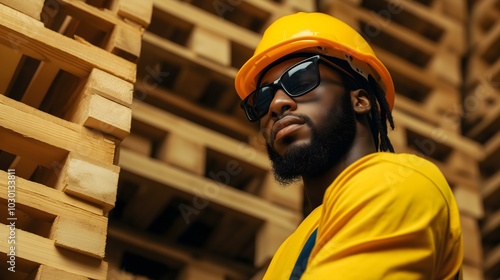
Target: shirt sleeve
385, 221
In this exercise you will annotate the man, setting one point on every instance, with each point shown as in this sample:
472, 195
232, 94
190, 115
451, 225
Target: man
323, 101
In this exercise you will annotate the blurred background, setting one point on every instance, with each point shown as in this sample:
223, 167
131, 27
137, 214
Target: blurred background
196, 197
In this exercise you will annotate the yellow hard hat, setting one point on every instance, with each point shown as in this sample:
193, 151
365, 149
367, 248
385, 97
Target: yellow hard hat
318, 33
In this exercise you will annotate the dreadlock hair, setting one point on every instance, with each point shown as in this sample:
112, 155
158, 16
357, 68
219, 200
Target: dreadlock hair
380, 113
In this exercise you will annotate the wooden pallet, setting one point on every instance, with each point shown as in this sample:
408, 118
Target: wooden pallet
484, 17
483, 60
412, 32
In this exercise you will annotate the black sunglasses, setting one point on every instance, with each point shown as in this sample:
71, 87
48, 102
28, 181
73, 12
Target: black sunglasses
296, 81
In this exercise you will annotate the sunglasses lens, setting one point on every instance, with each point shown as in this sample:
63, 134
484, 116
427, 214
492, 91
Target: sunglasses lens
300, 79
296, 81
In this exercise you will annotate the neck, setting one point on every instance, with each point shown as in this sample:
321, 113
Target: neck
315, 187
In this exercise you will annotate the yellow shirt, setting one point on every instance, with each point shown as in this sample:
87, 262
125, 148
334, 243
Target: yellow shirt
386, 216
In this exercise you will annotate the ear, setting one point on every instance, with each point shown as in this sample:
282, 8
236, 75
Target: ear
360, 101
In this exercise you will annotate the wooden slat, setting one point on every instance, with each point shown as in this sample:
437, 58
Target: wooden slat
212, 23
47, 272
41, 250
212, 46
194, 185
40, 84
473, 252
491, 190
167, 122
33, 39
156, 246
24, 167
139, 11
491, 227
11, 57
32, 8
183, 153
18, 120
492, 262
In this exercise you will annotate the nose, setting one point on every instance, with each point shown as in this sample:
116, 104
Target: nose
280, 104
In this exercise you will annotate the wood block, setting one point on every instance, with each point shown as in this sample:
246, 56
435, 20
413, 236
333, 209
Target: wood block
17, 121
125, 41
289, 197
210, 45
473, 252
32, 8
195, 186
302, 5
90, 180
136, 11
190, 83
47, 272
180, 152
33, 39
491, 190
472, 273
192, 272
492, 262
82, 236
11, 58
457, 10
138, 144
469, 201
269, 238
491, 227
99, 113
110, 87
41, 250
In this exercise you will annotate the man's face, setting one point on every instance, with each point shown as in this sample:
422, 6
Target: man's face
307, 135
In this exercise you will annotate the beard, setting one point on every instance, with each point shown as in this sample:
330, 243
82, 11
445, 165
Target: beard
326, 148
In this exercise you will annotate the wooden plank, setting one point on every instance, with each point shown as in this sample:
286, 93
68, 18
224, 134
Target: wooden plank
492, 262
436, 135
183, 153
32, 8
40, 84
138, 144
491, 227
472, 273
18, 120
216, 193
11, 57
213, 140
50, 200
155, 246
24, 167
47, 272
469, 201
90, 180
210, 45
139, 11
41, 250
491, 190
473, 252
212, 23
33, 39
192, 272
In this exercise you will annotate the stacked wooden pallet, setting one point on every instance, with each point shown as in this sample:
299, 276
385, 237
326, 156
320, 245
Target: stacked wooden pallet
482, 119
66, 84
195, 182
422, 43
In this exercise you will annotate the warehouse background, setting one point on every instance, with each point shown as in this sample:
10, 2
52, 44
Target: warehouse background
133, 159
